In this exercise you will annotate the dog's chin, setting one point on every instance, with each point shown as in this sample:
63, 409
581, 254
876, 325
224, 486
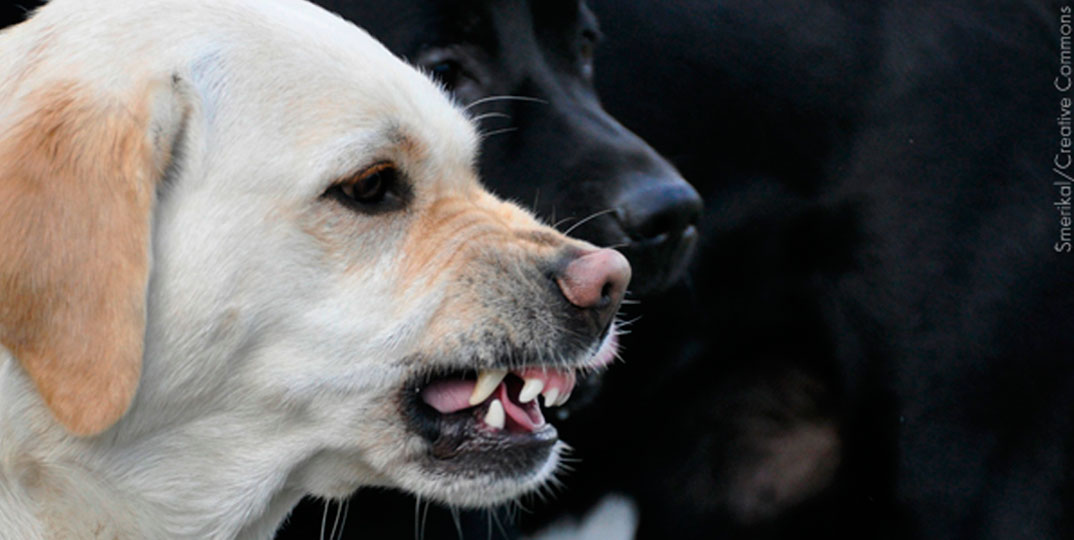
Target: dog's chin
483, 434
476, 483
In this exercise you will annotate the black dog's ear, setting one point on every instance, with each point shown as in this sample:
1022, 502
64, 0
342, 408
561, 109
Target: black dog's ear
78, 172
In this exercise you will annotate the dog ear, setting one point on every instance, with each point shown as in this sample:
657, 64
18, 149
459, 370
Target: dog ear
78, 172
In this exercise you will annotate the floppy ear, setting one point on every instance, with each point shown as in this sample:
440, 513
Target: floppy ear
78, 172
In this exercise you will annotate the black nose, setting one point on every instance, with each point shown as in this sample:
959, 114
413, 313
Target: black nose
658, 208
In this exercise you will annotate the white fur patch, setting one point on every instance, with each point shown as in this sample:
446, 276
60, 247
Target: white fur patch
615, 517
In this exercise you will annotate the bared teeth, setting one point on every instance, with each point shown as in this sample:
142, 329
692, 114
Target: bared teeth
551, 397
487, 381
530, 390
563, 399
496, 417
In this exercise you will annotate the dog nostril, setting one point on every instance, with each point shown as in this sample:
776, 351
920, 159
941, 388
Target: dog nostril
606, 293
655, 210
596, 282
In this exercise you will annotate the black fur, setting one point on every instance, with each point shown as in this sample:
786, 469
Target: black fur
16, 12
877, 254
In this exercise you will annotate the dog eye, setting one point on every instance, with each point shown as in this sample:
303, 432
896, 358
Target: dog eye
455, 67
447, 72
374, 189
587, 49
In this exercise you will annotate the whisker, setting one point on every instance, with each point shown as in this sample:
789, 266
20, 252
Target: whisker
498, 132
522, 507
343, 522
587, 219
417, 522
324, 518
488, 99
496, 518
424, 518
560, 222
458, 521
479, 118
335, 522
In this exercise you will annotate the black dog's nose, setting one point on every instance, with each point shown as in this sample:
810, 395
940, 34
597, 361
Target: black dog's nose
658, 208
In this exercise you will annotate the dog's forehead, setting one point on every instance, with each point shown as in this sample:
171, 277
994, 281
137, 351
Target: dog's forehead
283, 69
332, 85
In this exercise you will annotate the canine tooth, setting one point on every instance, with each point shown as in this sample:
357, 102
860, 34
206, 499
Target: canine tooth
487, 381
530, 390
563, 399
495, 417
550, 397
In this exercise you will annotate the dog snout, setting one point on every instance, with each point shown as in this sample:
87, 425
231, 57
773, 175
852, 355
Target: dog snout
658, 209
595, 282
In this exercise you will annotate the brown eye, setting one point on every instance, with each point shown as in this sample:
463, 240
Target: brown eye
370, 186
374, 189
587, 50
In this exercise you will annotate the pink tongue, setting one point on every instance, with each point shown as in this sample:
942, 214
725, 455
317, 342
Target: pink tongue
520, 414
448, 396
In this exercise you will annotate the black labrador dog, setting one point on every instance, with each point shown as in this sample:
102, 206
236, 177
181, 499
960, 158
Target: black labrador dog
877, 338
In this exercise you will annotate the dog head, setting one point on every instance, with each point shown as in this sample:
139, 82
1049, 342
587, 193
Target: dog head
524, 69
244, 233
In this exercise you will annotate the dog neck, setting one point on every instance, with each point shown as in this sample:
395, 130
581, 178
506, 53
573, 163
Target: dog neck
209, 476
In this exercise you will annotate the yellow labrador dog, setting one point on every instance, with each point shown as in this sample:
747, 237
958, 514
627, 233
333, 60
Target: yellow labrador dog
244, 257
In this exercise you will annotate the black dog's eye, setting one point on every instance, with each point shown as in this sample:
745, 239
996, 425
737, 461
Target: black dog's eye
586, 49
589, 46
447, 72
376, 188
